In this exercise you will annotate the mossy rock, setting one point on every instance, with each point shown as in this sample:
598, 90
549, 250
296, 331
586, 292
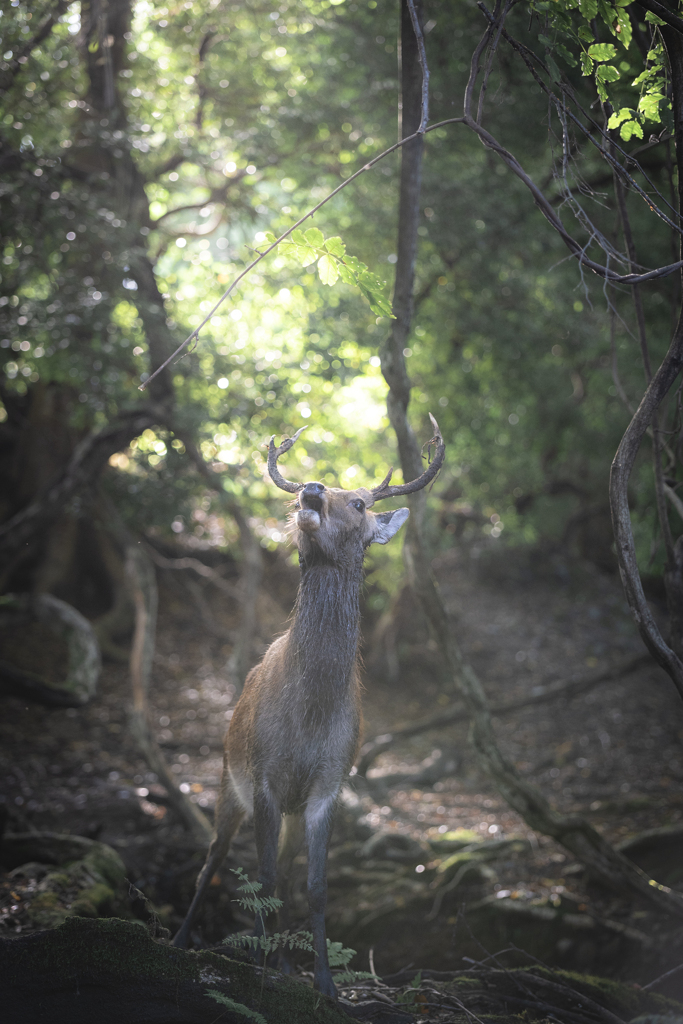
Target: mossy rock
112, 972
76, 877
48, 651
480, 853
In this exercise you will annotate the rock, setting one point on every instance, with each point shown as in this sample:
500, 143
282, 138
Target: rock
60, 876
49, 651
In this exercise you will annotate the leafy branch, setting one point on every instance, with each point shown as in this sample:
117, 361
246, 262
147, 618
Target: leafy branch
653, 103
334, 264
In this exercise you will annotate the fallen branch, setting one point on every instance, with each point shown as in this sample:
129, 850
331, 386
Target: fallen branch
539, 695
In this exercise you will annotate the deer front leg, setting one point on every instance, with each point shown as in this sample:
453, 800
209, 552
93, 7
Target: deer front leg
318, 819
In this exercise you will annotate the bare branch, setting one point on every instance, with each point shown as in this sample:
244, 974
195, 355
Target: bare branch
566, 688
422, 57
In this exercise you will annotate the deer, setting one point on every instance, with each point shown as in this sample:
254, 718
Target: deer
296, 728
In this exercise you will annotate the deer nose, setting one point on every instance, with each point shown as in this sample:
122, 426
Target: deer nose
314, 488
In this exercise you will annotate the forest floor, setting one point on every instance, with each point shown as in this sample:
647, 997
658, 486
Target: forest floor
612, 753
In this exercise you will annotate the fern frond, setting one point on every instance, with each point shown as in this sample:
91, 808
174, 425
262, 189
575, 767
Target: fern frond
351, 977
338, 955
213, 993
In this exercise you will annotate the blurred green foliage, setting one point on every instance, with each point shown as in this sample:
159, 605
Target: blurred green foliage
238, 118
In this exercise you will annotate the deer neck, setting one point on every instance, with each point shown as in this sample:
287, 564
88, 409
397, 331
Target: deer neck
325, 633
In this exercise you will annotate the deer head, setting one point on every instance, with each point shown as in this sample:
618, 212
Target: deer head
329, 519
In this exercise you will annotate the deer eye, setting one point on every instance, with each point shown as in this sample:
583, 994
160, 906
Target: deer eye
359, 504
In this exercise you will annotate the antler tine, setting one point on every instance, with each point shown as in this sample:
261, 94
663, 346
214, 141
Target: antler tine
384, 491
274, 454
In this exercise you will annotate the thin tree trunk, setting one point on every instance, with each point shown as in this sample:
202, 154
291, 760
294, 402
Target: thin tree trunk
142, 585
575, 834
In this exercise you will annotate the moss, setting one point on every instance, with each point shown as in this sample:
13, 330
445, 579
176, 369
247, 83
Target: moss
616, 995
93, 901
121, 957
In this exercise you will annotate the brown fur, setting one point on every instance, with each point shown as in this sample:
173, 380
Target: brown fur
296, 729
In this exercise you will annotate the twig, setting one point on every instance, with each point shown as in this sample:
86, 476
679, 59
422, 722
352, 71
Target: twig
662, 977
196, 566
674, 499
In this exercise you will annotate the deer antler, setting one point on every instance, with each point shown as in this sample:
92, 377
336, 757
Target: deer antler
384, 491
274, 454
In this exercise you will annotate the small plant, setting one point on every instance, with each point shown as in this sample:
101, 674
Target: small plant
259, 906
339, 956
410, 995
235, 1007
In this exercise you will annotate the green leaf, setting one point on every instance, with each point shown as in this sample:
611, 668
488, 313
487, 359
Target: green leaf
305, 255
643, 77
586, 34
381, 307
629, 129
649, 105
270, 237
602, 51
588, 8
553, 69
624, 28
327, 270
654, 19
586, 64
607, 73
619, 116
314, 236
607, 13
93, 47
346, 274
298, 237
355, 264
335, 246
566, 55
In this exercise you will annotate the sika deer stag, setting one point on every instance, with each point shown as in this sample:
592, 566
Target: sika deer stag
295, 732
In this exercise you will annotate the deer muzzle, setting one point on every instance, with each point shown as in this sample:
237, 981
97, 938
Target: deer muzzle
310, 506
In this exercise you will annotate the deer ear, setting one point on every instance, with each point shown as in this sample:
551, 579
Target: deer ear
386, 524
